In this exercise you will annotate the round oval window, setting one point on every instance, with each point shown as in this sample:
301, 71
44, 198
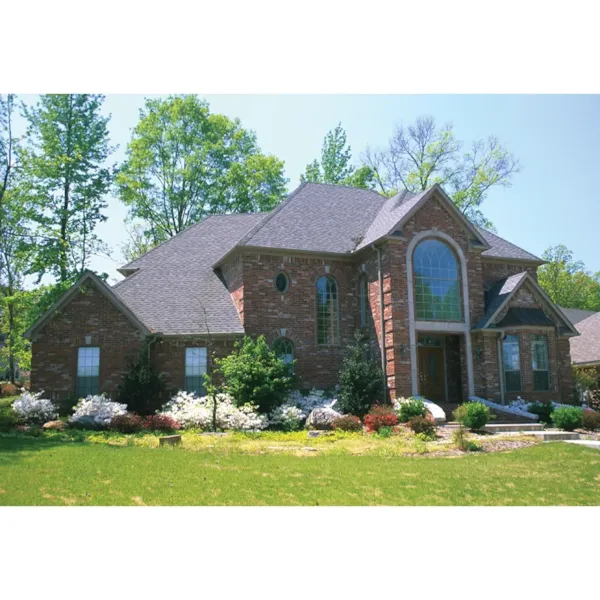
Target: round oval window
281, 282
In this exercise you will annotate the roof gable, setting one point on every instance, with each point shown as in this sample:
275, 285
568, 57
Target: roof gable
397, 211
503, 291
104, 289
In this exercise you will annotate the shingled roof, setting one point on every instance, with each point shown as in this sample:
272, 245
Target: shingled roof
585, 349
169, 287
175, 281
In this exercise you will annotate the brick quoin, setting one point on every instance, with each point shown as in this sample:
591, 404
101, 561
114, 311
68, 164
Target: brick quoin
249, 275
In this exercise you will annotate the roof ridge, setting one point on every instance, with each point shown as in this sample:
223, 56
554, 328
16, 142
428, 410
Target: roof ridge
346, 187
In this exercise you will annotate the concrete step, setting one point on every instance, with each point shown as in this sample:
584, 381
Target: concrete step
589, 443
554, 436
513, 427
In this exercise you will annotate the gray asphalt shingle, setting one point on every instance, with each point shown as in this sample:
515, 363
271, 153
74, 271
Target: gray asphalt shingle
176, 279
586, 347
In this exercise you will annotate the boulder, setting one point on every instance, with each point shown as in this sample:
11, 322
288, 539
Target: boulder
57, 425
322, 418
85, 422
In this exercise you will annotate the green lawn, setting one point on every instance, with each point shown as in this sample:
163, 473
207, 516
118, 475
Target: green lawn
45, 471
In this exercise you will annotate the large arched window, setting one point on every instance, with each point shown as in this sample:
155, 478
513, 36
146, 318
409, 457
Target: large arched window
284, 349
328, 322
437, 282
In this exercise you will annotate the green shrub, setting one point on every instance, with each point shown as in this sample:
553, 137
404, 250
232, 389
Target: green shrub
420, 424
254, 374
412, 407
474, 415
385, 432
361, 381
568, 417
347, 423
590, 419
142, 387
543, 410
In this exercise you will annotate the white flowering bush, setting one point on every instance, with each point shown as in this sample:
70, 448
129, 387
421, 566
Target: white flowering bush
191, 411
288, 417
314, 399
100, 409
32, 408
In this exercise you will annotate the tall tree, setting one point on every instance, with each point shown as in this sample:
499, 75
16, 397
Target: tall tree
335, 165
566, 280
137, 244
423, 154
66, 179
184, 163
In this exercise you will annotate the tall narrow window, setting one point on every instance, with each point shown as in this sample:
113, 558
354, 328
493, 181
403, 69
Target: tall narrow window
437, 282
195, 368
88, 371
328, 326
363, 295
539, 363
284, 348
512, 363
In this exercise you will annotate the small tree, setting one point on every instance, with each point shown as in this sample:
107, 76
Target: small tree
254, 374
360, 379
142, 388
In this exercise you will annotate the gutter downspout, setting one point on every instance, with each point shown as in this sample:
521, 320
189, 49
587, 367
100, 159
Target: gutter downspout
381, 321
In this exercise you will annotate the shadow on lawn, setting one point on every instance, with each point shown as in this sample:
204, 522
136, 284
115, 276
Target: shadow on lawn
14, 448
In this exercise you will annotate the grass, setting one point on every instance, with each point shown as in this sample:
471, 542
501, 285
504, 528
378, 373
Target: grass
53, 471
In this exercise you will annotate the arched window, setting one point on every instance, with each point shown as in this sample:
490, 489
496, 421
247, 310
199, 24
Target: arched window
363, 297
437, 282
284, 349
328, 324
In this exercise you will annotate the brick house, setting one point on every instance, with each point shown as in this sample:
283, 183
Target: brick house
452, 310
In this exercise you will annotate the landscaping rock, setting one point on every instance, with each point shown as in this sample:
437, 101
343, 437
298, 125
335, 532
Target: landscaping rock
322, 418
170, 440
315, 433
55, 425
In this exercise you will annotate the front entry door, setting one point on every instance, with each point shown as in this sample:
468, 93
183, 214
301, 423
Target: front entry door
431, 373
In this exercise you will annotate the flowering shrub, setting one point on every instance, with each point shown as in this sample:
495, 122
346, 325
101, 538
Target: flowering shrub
32, 408
96, 410
380, 416
568, 417
161, 423
314, 399
474, 415
420, 424
190, 410
127, 423
287, 417
347, 423
407, 408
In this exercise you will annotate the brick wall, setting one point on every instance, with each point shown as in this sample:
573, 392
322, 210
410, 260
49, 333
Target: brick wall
293, 314
233, 273
493, 271
168, 356
55, 346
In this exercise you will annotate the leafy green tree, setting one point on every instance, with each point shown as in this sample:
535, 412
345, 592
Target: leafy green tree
65, 177
254, 374
335, 165
361, 380
137, 244
184, 163
566, 280
422, 154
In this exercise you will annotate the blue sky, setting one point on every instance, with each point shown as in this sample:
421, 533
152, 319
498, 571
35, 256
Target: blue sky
556, 138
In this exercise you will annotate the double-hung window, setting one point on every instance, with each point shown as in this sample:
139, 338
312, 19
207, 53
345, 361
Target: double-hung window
195, 368
88, 371
512, 363
539, 363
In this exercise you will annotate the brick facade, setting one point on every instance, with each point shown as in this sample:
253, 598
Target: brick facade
250, 275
